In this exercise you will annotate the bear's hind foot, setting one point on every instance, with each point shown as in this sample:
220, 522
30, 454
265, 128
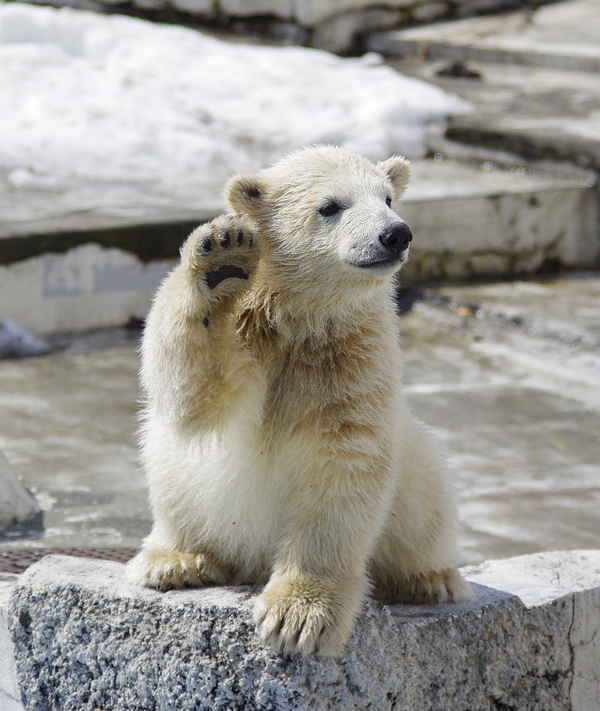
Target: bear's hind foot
426, 589
165, 570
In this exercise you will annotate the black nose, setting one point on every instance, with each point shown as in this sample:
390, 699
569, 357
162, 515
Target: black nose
397, 237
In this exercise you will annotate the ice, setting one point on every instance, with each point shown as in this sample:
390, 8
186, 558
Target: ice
113, 98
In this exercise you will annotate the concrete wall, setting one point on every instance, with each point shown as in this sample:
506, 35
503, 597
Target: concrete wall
88, 287
327, 24
467, 223
530, 640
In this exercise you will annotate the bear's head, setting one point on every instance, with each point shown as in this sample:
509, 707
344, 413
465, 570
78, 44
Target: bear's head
328, 220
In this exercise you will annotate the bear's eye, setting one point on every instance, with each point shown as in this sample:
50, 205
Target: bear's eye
330, 208
388, 201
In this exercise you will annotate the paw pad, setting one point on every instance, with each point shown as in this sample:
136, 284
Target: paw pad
223, 250
227, 271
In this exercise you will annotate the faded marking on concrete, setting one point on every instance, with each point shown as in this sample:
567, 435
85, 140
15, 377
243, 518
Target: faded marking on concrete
90, 269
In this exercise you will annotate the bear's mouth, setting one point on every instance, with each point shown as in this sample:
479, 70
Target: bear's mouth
382, 264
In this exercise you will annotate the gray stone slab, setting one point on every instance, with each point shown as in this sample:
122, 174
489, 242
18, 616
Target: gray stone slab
152, 225
135, 217
83, 639
472, 223
564, 35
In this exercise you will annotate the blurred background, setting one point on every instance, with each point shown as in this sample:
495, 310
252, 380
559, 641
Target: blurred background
119, 124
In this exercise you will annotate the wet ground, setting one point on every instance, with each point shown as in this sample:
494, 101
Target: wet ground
507, 373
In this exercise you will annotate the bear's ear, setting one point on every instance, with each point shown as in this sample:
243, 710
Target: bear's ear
398, 171
245, 192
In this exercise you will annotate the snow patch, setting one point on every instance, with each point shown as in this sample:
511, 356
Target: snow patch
113, 98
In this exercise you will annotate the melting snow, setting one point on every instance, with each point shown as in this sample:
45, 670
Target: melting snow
113, 98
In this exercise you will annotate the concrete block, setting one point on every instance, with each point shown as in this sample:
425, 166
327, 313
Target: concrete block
311, 13
489, 223
10, 695
542, 579
81, 271
84, 639
86, 287
16, 503
561, 35
248, 8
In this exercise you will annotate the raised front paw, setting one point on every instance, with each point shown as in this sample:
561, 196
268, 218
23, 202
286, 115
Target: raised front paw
223, 254
303, 616
164, 570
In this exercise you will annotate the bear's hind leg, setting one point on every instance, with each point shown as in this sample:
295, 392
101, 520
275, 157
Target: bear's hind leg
165, 569
415, 557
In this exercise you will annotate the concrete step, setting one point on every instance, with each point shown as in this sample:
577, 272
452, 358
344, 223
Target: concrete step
543, 118
532, 78
474, 222
70, 262
564, 35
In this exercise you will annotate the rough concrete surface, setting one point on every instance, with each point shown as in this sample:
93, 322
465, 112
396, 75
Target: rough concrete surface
85, 640
10, 694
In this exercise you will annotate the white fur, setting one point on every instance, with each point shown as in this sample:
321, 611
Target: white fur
277, 441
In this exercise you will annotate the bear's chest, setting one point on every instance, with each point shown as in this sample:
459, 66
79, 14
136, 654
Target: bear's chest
315, 386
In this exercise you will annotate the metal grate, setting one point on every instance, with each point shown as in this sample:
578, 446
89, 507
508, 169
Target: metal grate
17, 560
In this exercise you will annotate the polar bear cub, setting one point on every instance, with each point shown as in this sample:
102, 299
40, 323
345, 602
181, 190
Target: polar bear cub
276, 439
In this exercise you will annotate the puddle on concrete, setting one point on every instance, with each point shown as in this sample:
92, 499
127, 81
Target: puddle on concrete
68, 428
518, 424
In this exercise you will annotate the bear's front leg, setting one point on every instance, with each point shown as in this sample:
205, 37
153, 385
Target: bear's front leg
319, 578
195, 369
